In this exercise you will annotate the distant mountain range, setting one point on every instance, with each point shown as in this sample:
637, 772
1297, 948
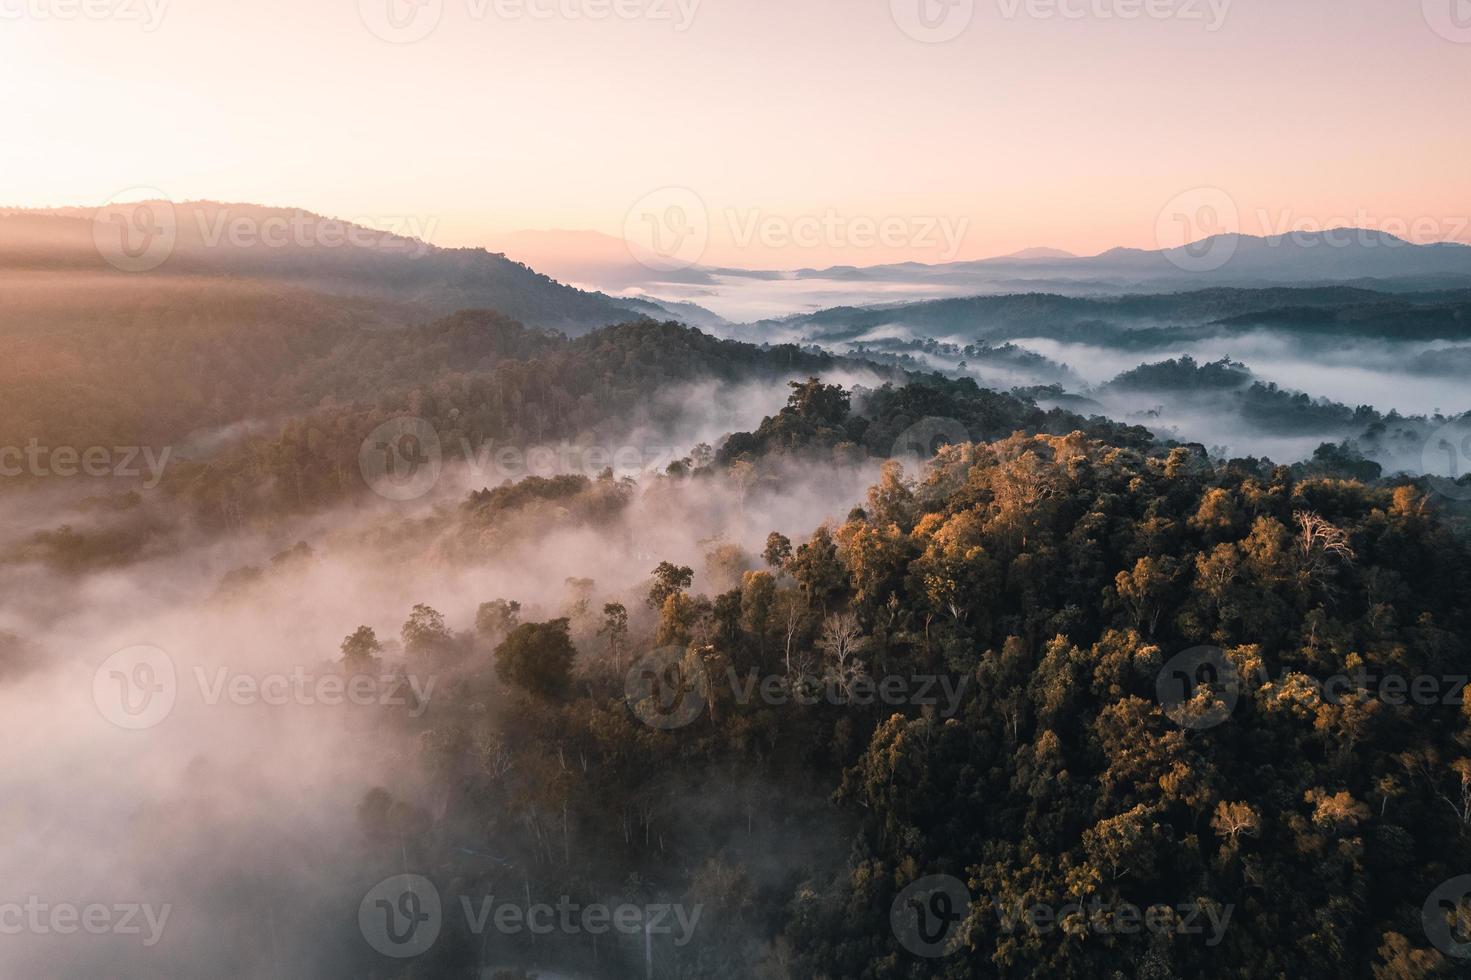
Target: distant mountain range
298, 248
536, 279
1342, 255
1141, 321
1358, 257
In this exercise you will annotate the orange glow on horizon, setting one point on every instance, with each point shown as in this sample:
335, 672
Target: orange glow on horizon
814, 136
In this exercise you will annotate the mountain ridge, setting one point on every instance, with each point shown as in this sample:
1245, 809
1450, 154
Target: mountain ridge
298, 247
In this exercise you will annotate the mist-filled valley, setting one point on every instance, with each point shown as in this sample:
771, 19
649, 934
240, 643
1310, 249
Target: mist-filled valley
247, 810
373, 609
735, 490
1241, 371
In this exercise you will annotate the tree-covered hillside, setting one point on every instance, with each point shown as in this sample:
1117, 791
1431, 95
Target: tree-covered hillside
391, 261
1057, 670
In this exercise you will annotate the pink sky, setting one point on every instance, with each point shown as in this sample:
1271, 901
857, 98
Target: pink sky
803, 128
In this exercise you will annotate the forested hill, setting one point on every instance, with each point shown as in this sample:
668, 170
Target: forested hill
123, 359
912, 420
1293, 809
1153, 319
478, 378
289, 247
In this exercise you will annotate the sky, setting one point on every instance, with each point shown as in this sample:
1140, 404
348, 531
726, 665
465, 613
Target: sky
757, 133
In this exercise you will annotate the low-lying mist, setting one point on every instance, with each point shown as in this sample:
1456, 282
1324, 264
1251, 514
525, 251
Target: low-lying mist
233, 818
1410, 378
1387, 376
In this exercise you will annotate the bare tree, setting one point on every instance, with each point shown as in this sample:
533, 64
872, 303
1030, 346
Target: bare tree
1427, 764
842, 638
793, 614
1317, 535
493, 755
1320, 542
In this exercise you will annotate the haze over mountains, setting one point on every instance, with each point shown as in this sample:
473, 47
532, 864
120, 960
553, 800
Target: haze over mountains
1340, 255
877, 521
392, 262
1364, 257
576, 281
1142, 321
550, 484
1353, 317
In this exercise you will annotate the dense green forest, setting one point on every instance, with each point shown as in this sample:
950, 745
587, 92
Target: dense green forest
668, 490
110, 358
1052, 583
1149, 321
1050, 664
483, 378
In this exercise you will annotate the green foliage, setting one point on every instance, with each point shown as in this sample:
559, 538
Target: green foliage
778, 550
361, 647
424, 633
538, 658
482, 382
1184, 374
1056, 575
497, 617
669, 580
